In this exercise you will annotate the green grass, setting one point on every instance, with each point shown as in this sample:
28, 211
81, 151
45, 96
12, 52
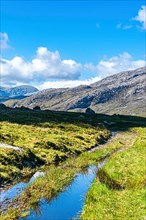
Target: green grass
48, 138
118, 191
14, 164
45, 137
58, 177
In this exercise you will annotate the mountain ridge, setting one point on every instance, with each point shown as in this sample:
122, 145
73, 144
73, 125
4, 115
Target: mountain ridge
122, 93
17, 92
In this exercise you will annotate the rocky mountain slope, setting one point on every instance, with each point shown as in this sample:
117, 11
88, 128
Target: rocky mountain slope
18, 92
122, 93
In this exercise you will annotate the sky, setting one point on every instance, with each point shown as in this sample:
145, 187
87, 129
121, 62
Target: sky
53, 44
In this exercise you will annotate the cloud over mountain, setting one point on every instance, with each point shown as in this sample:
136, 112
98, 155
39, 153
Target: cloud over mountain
119, 63
68, 83
45, 65
48, 70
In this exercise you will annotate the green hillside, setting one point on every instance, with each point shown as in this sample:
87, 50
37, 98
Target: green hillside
45, 137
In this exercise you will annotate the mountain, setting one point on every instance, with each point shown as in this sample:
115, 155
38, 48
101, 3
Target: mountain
122, 93
17, 92
4, 91
22, 90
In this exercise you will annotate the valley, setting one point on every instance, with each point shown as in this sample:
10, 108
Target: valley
121, 93
59, 162
72, 110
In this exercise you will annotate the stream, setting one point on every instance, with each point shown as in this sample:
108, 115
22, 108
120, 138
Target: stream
9, 194
68, 204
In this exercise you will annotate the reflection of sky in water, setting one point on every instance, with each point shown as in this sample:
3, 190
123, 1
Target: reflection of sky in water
13, 191
69, 202
18, 188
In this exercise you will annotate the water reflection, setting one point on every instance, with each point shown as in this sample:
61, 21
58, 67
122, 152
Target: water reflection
68, 203
9, 194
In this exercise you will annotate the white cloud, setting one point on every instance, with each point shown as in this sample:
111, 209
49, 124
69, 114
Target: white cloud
48, 70
141, 17
116, 64
4, 39
104, 68
45, 65
89, 67
68, 83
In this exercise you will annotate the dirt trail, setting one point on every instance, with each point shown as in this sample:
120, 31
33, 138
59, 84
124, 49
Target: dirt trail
128, 142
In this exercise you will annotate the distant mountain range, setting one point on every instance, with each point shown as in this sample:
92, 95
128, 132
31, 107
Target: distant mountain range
17, 92
122, 93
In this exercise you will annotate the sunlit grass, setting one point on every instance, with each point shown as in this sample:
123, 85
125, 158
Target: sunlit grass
118, 191
58, 177
44, 140
48, 138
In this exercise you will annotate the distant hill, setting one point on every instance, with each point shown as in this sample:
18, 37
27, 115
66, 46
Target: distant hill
4, 91
18, 92
122, 93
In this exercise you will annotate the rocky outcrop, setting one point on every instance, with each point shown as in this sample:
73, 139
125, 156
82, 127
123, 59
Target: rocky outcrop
122, 93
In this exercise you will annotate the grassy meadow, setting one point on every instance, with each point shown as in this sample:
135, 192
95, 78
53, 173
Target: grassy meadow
45, 138
57, 143
118, 192
58, 177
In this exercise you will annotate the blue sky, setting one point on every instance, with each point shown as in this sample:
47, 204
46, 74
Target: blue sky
70, 41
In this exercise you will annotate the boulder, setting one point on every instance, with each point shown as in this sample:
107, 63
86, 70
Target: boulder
37, 108
90, 111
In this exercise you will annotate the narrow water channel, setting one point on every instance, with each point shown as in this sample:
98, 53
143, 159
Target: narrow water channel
9, 194
69, 203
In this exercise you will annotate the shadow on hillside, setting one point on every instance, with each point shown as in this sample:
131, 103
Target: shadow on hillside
37, 117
